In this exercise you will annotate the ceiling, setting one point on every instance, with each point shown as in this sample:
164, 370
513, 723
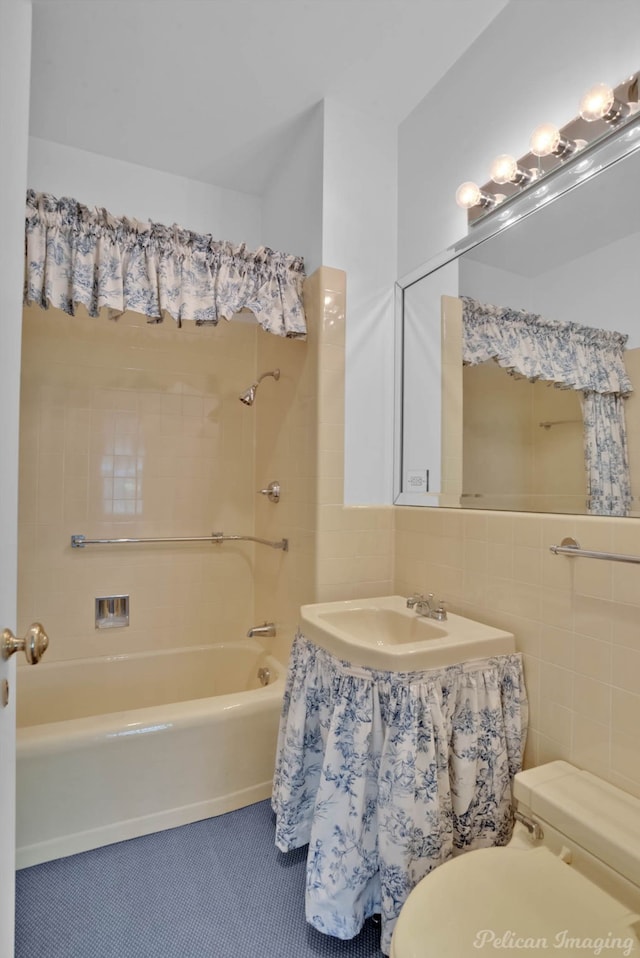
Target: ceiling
218, 90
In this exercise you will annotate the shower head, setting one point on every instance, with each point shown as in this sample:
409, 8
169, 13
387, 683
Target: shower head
249, 395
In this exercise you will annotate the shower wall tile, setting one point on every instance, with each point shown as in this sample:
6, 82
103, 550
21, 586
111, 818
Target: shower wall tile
285, 416
577, 621
130, 429
336, 552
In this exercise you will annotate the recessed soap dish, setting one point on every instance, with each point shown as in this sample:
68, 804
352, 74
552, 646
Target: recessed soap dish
112, 611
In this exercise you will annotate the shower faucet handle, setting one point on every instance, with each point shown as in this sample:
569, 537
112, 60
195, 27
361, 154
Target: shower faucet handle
272, 491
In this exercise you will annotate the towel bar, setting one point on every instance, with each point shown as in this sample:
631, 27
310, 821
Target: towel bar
569, 547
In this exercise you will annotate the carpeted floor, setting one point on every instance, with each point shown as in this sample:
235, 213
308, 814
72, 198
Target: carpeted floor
215, 889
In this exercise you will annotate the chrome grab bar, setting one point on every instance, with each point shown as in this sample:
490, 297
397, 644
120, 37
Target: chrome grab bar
80, 541
569, 547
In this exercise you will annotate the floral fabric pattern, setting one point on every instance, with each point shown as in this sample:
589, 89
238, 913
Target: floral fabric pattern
76, 255
573, 357
606, 456
568, 354
386, 775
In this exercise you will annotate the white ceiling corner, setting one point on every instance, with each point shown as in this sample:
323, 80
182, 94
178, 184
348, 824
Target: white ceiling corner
214, 90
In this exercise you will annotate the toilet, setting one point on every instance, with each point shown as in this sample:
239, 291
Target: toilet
568, 882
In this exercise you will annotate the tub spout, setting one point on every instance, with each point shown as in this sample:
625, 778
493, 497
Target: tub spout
265, 631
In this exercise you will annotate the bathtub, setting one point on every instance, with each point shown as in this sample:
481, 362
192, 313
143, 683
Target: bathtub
116, 747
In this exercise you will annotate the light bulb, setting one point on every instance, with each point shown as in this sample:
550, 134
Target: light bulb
599, 103
468, 195
545, 140
503, 169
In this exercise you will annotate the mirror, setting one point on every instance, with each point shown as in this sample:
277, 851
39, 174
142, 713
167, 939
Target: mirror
476, 436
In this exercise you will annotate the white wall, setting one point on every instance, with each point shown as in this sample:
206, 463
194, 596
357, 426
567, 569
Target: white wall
359, 236
292, 203
126, 189
602, 302
488, 284
531, 65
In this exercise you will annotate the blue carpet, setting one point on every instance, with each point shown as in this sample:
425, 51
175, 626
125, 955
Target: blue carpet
215, 889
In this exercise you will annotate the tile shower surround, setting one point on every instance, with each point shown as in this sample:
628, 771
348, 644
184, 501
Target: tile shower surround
132, 429
577, 621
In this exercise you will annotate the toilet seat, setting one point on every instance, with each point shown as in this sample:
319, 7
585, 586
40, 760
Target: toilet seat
509, 898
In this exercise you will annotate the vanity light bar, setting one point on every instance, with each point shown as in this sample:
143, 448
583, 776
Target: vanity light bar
602, 110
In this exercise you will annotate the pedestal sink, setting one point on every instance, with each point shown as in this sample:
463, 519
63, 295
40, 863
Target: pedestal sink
382, 633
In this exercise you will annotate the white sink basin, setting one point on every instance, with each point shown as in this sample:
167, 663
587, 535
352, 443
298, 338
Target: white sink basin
383, 633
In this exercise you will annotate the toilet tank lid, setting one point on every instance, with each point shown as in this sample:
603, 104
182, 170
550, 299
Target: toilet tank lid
602, 819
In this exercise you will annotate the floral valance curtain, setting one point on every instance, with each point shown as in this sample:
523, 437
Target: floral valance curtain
77, 255
386, 775
568, 354
574, 357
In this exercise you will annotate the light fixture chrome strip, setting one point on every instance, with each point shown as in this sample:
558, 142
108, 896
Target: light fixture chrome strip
577, 168
551, 148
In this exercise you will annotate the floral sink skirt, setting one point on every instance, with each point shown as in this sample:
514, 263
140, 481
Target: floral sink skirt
386, 775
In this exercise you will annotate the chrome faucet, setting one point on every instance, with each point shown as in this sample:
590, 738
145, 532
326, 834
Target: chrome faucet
427, 607
268, 630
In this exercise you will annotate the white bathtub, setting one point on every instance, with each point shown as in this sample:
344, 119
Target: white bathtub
116, 747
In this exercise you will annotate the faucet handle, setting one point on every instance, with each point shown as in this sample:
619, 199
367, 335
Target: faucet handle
438, 609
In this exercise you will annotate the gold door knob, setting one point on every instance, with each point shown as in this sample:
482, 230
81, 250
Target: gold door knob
34, 644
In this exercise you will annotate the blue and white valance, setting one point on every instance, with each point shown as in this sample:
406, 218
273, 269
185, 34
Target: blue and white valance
568, 354
386, 775
571, 356
77, 255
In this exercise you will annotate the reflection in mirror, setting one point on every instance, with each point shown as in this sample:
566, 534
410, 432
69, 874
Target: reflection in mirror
503, 433
569, 356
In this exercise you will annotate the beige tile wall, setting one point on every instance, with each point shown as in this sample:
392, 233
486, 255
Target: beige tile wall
577, 621
335, 551
131, 429
508, 457
558, 451
285, 417
451, 413
497, 417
